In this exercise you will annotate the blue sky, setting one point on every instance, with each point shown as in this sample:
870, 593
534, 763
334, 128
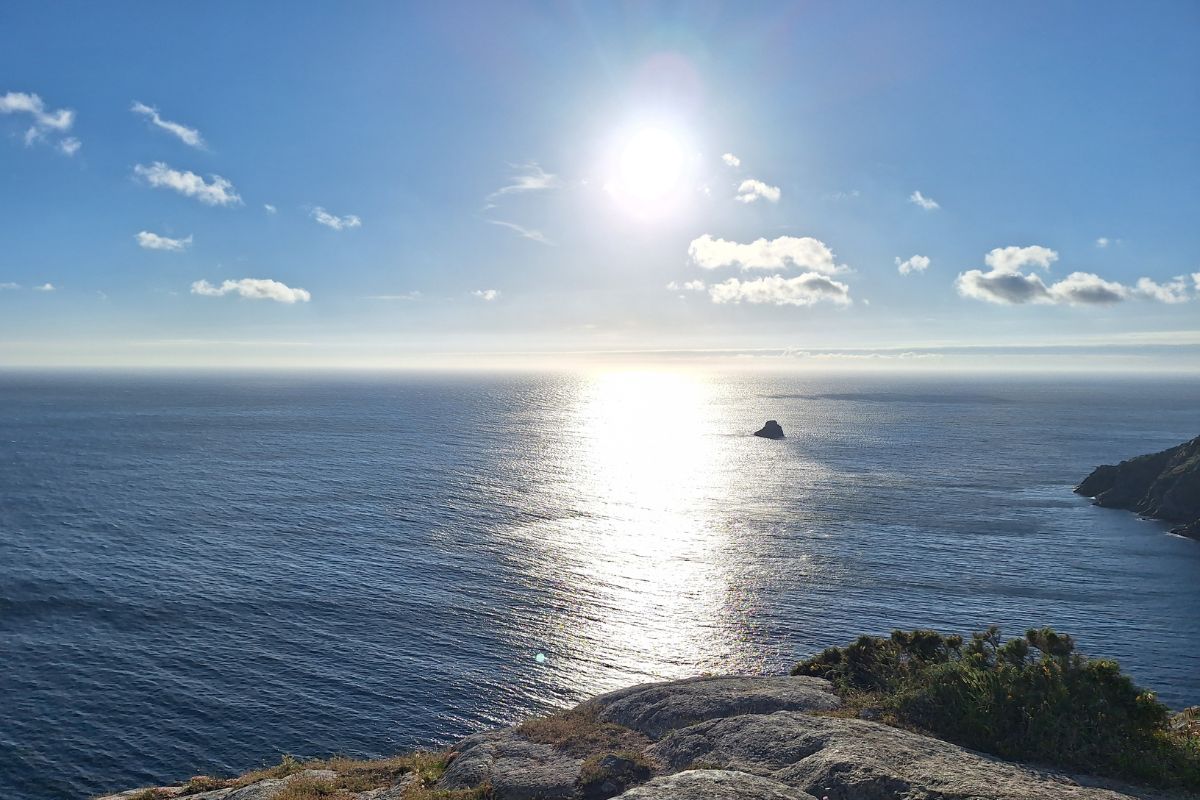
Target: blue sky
513, 183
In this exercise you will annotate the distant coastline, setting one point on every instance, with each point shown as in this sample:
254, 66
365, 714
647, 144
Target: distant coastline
1163, 485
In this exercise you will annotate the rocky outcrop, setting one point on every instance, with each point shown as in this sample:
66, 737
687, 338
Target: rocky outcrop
771, 430
716, 738
761, 737
1164, 485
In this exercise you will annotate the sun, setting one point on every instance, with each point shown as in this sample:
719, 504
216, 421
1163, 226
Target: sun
649, 170
651, 164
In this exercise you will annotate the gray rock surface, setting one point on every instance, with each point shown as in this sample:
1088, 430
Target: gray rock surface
714, 784
654, 709
517, 768
853, 759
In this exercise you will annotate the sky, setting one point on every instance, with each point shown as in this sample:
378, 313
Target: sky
908, 185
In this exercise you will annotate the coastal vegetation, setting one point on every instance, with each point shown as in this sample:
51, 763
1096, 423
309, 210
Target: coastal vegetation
1031, 698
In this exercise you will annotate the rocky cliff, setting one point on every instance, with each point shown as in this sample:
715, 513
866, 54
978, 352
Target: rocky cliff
718, 738
1164, 485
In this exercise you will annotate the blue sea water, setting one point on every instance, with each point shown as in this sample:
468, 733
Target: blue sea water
201, 572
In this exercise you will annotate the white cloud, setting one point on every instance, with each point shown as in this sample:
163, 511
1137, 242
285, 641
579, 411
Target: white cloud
1005, 283
751, 189
333, 221
1087, 289
1196, 280
913, 264
802, 290
45, 287
270, 209
44, 121
1014, 259
253, 289
731, 160
152, 241
527, 233
4, 286
927, 203
1173, 291
189, 136
487, 295
218, 193
1102, 242
802, 252
1006, 288
532, 178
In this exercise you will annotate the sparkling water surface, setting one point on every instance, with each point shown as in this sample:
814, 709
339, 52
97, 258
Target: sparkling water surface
201, 572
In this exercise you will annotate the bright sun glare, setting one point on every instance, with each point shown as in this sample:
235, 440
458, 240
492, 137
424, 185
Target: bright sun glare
649, 173
651, 164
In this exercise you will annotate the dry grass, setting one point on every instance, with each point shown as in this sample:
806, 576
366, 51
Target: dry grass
353, 775
579, 733
152, 794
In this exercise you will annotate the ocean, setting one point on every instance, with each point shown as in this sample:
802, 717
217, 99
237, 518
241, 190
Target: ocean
201, 572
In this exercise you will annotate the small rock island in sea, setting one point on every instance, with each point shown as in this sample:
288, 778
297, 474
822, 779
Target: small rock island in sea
1164, 485
772, 430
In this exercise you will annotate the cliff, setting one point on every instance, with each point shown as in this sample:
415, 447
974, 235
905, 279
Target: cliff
1164, 485
712, 738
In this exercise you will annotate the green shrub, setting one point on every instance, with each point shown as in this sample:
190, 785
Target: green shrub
1031, 698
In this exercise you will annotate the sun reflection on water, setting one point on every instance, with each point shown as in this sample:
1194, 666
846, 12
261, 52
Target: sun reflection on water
641, 554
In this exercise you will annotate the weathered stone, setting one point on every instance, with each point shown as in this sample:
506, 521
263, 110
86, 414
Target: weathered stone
853, 759
656, 708
516, 768
714, 784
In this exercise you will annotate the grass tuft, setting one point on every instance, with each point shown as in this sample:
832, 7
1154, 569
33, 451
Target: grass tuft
579, 733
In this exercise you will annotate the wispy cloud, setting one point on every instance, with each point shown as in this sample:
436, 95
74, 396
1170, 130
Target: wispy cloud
687, 286
253, 289
333, 221
9, 286
486, 295
152, 241
804, 252
802, 290
189, 136
527, 233
731, 160
912, 264
44, 121
219, 192
1103, 242
270, 209
414, 295
45, 287
927, 203
751, 190
530, 178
